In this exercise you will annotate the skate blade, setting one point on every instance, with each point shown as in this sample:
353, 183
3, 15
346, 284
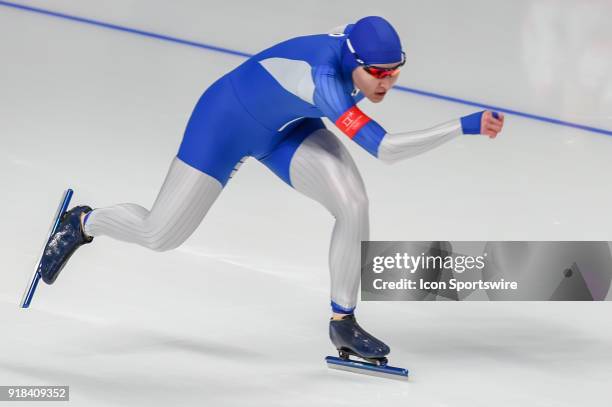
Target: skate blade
366, 368
26, 299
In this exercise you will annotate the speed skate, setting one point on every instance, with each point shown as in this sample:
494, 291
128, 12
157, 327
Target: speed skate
372, 367
350, 339
36, 277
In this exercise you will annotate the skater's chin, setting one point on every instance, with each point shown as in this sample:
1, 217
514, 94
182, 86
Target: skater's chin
377, 96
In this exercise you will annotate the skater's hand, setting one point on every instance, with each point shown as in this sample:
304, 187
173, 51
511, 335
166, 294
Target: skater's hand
485, 122
491, 123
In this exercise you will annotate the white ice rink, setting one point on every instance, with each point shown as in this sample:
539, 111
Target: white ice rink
238, 315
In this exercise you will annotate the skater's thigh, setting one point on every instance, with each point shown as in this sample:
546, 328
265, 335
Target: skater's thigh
320, 167
279, 159
186, 191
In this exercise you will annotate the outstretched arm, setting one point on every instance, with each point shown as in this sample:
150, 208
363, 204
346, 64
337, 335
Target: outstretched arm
398, 146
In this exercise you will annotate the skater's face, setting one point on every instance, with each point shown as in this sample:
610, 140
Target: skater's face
374, 88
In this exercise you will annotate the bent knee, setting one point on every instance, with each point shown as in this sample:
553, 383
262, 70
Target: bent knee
162, 238
162, 245
353, 206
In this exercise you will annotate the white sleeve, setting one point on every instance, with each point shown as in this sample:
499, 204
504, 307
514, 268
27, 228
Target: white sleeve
397, 146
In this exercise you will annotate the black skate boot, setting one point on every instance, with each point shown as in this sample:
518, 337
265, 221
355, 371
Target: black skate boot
351, 339
68, 237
